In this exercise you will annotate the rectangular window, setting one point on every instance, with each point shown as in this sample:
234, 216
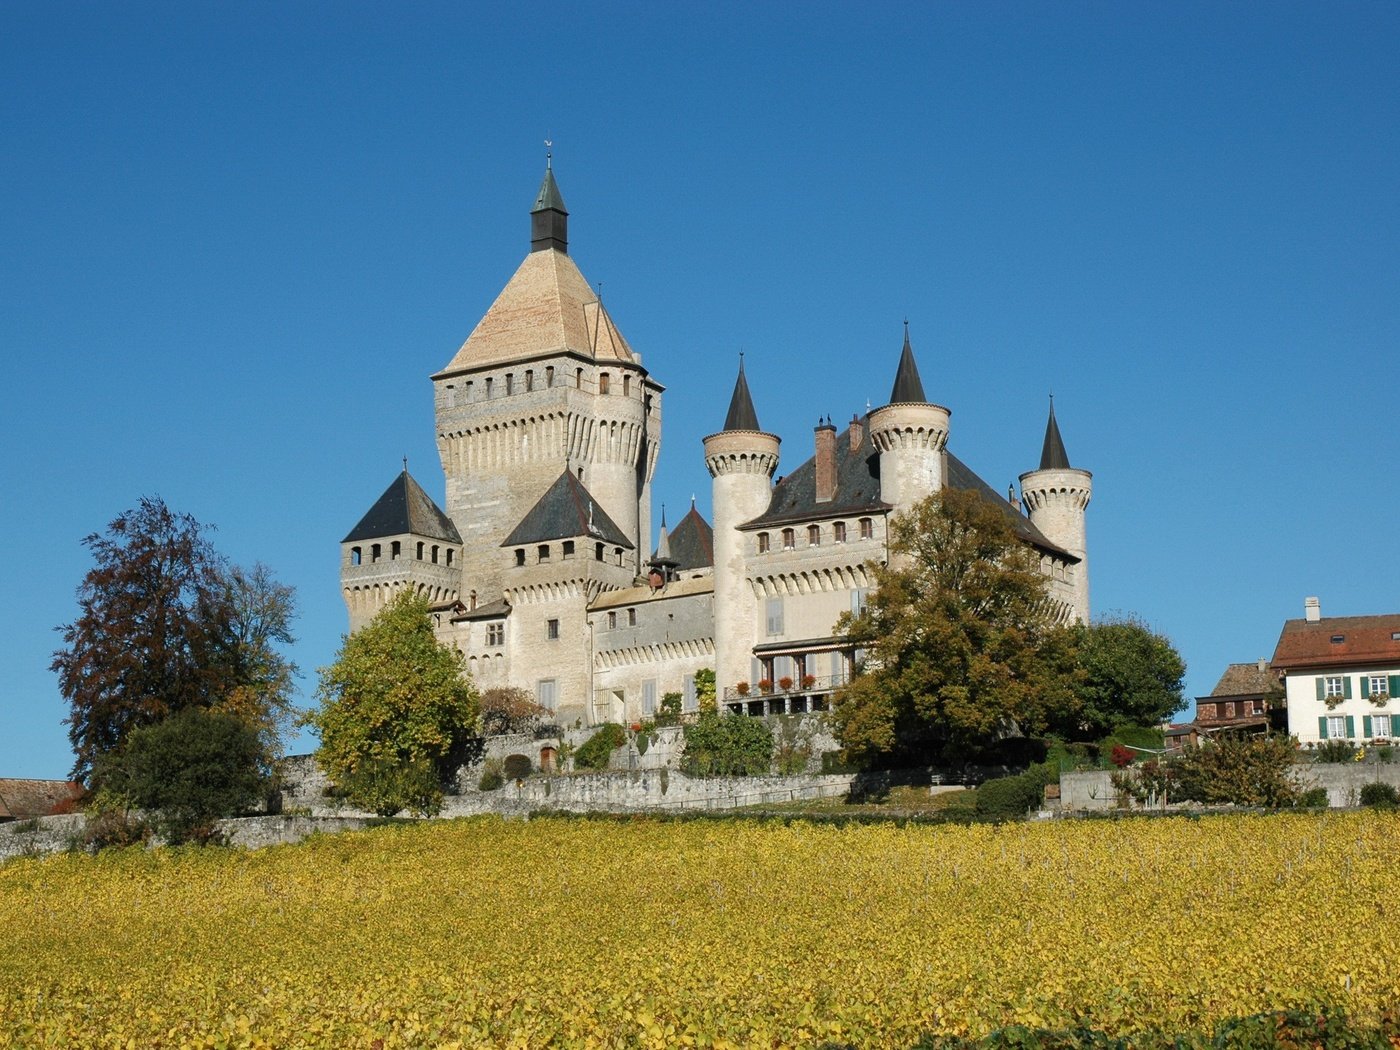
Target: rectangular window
510, 383
551, 630
838, 532
495, 634
568, 548
1332, 687
545, 694
529, 380
544, 552
631, 617
519, 555
763, 543
649, 697
859, 597
867, 529
1381, 725
1377, 685
1336, 727
814, 535
612, 620
789, 539
688, 701
775, 616
603, 382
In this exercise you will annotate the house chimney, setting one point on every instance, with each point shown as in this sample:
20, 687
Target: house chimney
857, 433
826, 461
1312, 610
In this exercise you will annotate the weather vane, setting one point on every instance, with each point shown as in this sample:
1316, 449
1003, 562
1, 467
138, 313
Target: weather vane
549, 153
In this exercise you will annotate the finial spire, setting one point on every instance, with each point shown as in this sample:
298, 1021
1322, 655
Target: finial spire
741, 414
405, 464
1052, 453
908, 387
548, 154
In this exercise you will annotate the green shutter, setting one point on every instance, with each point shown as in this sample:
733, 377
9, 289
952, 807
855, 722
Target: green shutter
1322, 727
1395, 685
1366, 727
1365, 686
1322, 689
1346, 687
1351, 727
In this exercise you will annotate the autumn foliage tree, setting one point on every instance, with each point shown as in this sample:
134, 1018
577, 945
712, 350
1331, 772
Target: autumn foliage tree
962, 641
396, 711
165, 624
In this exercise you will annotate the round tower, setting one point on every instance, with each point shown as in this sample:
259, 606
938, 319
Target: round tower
741, 459
1055, 497
910, 434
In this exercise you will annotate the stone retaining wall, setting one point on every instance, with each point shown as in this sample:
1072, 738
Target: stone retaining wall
1092, 791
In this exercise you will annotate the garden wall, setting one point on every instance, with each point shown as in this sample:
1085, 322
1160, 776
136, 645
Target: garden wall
1093, 791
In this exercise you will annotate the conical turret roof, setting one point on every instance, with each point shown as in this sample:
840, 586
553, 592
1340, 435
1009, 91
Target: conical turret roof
1052, 453
908, 388
404, 508
741, 414
549, 197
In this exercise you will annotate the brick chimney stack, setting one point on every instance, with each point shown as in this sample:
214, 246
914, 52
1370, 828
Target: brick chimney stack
826, 461
857, 433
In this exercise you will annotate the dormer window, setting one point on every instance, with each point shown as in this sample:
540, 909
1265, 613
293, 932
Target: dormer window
1338, 639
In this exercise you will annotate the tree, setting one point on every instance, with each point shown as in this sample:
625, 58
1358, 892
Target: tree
510, 709
166, 625
393, 699
961, 638
188, 770
727, 745
1131, 675
1243, 771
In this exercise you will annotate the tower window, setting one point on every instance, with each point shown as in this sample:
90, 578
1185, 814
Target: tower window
543, 552
814, 535
774, 616
597, 552
495, 634
374, 552
578, 378
519, 555
510, 383
551, 630
626, 385
420, 550
867, 529
631, 617
451, 396
612, 620
838, 532
604, 381
395, 549
435, 553
355, 555
789, 539
549, 375
467, 391
449, 557
568, 548
763, 543
618, 551
529, 379
488, 386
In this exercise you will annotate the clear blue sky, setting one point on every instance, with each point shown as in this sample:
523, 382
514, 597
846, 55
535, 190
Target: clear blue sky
238, 238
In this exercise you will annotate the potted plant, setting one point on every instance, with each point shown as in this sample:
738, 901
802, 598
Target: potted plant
742, 688
808, 680
785, 684
765, 685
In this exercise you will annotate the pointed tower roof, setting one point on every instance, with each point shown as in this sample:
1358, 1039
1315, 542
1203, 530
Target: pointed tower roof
549, 219
692, 542
566, 510
404, 508
1052, 453
908, 388
741, 414
663, 543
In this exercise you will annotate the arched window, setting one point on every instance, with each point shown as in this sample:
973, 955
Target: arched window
578, 378
435, 553
618, 552
395, 550
867, 529
519, 555
604, 381
789, 539
838, 532
449, 556
626, 384
420, 550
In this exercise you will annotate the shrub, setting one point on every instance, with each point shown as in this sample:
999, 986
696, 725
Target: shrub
670, 713
1313, 798
491, 778
729, 745
1250, 771
596, 751
386, 786
1015, 796
1334, 751
517, 767
1379, 796
188, 771
510, 710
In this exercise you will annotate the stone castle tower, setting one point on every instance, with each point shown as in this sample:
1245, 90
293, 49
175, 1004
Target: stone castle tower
1055, 497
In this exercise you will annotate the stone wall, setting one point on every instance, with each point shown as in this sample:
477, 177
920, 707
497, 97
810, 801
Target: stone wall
1092, 791
21, 838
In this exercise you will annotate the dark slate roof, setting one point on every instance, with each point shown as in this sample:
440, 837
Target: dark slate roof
741, 414
1363, 640
858, 491
404, 508
25, 799
489, 611
908, 387
1052, 453
1246, 680
549, 198
565, 511
692, 542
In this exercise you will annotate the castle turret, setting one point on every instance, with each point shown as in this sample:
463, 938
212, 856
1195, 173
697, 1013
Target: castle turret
741, 459
404, 540
910, 434
1056, 497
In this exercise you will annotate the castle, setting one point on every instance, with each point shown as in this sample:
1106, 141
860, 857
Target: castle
548, 428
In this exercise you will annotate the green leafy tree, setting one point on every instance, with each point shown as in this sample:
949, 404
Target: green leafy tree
166, 624
188, 770
1244, 771
394, 698
1131, 674
727, 745
961, 639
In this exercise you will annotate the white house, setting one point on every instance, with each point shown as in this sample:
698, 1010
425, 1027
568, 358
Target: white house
1341, 676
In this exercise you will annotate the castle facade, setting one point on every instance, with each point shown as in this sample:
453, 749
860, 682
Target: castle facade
541, 569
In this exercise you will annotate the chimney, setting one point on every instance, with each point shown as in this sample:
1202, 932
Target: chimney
1263, 665
826, 461
857, 433
1312, 610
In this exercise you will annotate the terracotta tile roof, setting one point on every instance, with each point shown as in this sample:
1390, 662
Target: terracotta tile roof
23, 799
1245, 680
1362, 640
692, 542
